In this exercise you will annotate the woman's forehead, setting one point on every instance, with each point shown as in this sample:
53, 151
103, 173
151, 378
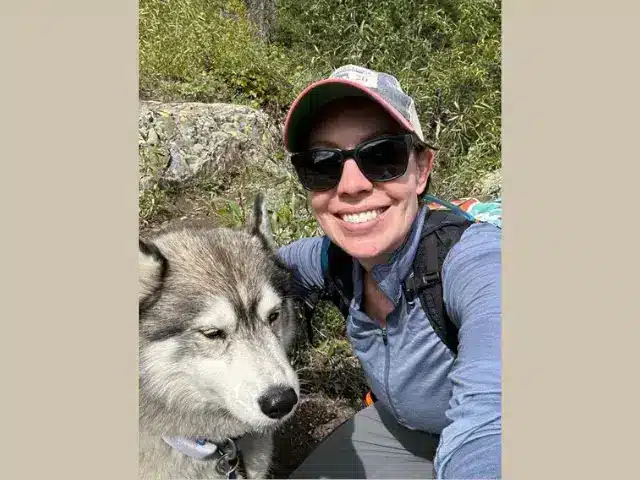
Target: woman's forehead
351, 120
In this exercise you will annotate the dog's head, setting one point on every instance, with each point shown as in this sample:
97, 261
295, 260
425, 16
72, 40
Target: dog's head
216, 319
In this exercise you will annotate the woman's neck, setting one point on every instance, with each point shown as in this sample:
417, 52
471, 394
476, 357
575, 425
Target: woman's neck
376, 304
369, 263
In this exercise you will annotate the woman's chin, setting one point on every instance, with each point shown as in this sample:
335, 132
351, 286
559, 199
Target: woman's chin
365, 250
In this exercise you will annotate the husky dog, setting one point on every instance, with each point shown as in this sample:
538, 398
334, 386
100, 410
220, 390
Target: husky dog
216, 318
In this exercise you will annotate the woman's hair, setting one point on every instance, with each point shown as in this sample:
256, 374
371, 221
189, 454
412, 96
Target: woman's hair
419, 148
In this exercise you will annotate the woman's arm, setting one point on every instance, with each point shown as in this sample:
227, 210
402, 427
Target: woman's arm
471, 445
303, 257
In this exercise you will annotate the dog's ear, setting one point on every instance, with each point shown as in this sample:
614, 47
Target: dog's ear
258, 222
152, 267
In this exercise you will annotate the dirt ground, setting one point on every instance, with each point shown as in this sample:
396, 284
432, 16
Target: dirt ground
316, 417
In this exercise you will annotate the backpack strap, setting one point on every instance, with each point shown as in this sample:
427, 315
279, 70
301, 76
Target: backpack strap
442, 229
337, 271
338, 276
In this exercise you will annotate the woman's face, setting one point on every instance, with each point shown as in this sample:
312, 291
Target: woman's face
368, 220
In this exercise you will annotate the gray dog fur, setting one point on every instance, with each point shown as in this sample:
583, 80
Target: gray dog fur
216, 321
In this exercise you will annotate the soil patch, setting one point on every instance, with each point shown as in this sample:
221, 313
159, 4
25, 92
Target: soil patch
316, 417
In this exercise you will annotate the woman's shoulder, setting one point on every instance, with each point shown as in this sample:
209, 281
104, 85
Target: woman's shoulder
478, 237
304, 257
481, 232
473, 263
308, 246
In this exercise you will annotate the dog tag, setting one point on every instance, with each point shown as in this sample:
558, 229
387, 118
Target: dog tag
226, 466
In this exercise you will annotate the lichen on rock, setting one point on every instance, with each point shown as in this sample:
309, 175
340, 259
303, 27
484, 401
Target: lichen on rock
235, 147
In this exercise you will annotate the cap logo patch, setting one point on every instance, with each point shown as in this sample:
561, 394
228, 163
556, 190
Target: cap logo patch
368, 79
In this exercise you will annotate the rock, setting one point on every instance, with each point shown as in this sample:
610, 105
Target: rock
233, 146
490, 185
152, 137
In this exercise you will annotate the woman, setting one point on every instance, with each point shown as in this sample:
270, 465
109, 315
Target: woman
437, 412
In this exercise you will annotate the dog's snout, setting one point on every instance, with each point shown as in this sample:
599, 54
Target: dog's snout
278, 401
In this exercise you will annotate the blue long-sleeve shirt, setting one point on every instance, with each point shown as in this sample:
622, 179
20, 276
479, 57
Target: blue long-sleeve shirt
413, 374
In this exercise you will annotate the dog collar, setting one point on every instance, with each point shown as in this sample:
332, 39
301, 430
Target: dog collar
225, 455
194, 447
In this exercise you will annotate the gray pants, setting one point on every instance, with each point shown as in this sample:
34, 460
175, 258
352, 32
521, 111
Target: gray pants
371, 445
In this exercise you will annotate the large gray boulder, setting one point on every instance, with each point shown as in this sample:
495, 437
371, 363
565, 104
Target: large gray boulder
234, 147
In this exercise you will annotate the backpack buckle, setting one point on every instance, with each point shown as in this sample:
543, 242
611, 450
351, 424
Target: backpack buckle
430, 278
415, 283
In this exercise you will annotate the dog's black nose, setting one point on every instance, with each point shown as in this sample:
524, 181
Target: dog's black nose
278, 401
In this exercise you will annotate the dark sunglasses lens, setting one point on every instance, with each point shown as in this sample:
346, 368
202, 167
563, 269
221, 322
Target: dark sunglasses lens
384, 159
318, 169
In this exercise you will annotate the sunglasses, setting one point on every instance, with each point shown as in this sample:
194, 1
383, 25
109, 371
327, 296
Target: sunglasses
380, 160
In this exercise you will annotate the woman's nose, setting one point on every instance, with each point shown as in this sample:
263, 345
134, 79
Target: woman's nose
353, 180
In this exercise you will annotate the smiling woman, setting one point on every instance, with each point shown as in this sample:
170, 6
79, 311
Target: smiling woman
433, 365
370, 210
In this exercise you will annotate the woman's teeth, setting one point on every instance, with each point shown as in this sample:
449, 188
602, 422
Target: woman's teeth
361, 217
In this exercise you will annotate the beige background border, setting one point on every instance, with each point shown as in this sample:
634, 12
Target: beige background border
570, 133
68, 245
69, 196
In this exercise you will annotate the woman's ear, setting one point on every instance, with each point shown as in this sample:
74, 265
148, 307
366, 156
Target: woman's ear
424, 162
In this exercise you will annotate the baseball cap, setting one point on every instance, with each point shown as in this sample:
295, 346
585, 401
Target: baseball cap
349, 81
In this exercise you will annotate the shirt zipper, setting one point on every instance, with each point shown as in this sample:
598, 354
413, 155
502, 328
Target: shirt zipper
387, 353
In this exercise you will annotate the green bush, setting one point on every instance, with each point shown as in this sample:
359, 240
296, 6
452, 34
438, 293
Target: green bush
207, 50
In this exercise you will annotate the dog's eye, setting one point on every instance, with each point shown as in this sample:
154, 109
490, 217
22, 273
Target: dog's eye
213, 333
273, 316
